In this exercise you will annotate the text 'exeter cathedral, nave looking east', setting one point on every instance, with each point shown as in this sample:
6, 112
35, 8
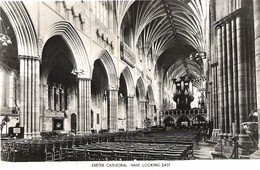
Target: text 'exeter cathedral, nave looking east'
129, 80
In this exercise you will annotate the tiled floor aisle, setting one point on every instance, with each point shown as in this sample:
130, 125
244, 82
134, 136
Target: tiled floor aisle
203, 151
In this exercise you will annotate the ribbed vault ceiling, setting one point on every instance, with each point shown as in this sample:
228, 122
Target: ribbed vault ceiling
172, 29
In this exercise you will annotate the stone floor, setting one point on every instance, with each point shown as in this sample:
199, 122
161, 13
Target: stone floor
202, 152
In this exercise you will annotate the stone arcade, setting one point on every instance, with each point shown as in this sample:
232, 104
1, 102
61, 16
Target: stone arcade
88, 67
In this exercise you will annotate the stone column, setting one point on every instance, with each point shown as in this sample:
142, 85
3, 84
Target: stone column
235, 77
88, 95
242, 72
22, 95
256, 155
142, 113
25, 100
112, 108
36, 97
29, 99
45, 93
257, 56
242, 78
220, 83
230, 79
160, 86
151, 113
225, 81
130, 113
105, 110
83, 105
210, 103
213, 114
216, 105
215, 95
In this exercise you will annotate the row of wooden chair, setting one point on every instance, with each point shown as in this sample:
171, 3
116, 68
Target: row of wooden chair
56, 150
127, 151
104, 155
32, 150
174, 139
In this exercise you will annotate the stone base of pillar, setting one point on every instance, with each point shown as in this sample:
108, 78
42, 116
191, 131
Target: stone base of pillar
113, 131
225, 136
245, 141
80, 132
88, 132
220, 141
215, 135
131, 129
28, 135
36, 135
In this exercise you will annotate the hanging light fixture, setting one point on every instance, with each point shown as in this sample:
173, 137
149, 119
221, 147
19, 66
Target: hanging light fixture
5, 40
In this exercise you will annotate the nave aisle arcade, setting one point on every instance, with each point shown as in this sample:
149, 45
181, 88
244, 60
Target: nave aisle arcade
94, 67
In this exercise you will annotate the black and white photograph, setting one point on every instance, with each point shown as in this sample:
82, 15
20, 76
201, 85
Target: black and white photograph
130, 83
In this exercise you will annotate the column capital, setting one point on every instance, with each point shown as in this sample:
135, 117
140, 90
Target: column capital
142, 101
217, 24
131, 96
238, 13
83, 78
113, 88
29, 57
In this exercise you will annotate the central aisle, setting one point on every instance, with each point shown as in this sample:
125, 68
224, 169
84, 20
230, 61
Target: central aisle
202, 152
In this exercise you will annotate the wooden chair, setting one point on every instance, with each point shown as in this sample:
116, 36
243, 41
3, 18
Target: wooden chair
171, 156
49, 151
121, 155
106, 155
15, 152
80, 154
64, 145
154, 156
25, 151
68, 154
57, 151
93, 155
5, 151
137, 155
34, 151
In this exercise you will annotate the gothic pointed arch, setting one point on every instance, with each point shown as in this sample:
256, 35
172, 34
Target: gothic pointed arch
73, 40
169, 117
129, 81
141, 88
150, 94
110, 68
23, 28
199, 117
184, 118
